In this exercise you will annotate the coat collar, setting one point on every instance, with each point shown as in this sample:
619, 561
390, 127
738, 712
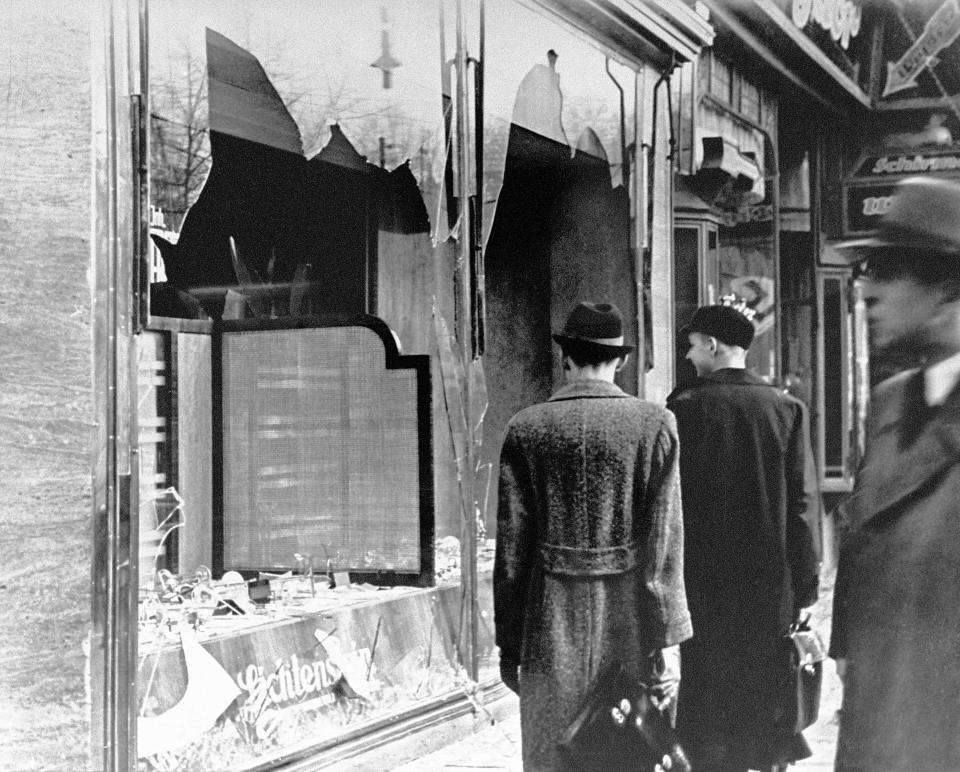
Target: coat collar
892, 474
729, 375
734, 375
587, 389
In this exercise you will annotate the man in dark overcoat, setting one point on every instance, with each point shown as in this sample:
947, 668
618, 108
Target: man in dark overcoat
752, 547
589, 556
896, 623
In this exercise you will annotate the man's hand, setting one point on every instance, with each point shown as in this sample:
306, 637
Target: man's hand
841, 663
803, 613
663, 678
510, 674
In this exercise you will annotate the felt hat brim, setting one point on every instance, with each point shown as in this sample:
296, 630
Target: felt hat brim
602, 348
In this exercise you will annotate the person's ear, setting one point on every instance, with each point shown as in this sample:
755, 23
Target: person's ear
622, 362
565, 363
714, 345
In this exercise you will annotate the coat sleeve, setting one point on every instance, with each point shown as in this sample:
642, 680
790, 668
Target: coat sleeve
803, 513
666, 617
838, 627
516, 548
848, 539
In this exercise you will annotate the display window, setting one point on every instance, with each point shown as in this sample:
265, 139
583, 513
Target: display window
360, 224
300, 564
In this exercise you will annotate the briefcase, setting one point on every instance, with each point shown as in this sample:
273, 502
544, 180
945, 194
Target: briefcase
618, 727
800, 698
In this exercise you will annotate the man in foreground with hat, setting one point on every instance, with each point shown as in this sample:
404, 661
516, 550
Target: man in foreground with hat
896, 624
589, 558
752, 547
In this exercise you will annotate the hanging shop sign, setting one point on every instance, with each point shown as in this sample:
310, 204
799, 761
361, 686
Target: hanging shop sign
938, 33
839, 30
841, 18
920, 52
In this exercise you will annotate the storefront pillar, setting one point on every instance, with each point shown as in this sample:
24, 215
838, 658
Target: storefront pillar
116, 183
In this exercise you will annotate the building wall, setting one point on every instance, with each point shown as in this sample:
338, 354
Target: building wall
45, 398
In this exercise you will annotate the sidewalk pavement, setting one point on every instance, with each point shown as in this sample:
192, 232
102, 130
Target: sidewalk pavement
497, 747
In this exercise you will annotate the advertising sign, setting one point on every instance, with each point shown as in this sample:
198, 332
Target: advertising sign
939, 32
863, 206
879, 166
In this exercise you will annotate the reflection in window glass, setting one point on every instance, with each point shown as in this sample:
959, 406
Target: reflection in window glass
747, 270
558, 157
295, 139
298, 161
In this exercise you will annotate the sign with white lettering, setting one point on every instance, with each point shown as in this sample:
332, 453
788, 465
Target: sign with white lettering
841, 18
939, 32
842, 30
864, 205
877, 166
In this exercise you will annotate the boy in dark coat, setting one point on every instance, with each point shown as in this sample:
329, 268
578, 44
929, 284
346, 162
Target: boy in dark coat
896, 614
589, 559
752, 548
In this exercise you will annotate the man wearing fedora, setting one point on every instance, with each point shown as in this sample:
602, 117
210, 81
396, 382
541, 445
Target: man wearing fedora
589, 557
896, 623
751, 547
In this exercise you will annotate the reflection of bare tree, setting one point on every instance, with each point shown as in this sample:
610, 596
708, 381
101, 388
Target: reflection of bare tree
337, 104
179, 142
180, 147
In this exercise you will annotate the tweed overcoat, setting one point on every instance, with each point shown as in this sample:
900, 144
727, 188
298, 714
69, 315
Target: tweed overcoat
751, 533
589, 557
897, 595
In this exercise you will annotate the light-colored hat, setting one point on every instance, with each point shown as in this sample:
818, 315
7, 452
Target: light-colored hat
924, 214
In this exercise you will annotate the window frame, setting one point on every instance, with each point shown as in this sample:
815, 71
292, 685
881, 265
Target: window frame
837, 478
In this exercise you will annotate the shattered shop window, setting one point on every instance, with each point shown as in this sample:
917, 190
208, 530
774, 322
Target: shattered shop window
286, 139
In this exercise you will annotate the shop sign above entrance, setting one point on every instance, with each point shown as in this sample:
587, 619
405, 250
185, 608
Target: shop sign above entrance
876, 166
841, 18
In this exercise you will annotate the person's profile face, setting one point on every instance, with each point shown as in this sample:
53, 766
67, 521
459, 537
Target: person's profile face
700, 353
899, 311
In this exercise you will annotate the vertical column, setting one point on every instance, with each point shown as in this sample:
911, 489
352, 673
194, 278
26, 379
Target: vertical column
115, 191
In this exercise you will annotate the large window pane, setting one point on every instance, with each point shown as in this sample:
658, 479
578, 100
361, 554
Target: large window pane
558, 154
299, 161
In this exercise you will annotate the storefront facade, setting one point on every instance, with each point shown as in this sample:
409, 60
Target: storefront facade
330, 243
781, 97
806, 115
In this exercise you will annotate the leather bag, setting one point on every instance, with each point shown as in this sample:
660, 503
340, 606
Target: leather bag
800, 697
618, 727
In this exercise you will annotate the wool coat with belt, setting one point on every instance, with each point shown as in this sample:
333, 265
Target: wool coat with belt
589, 557
751, 530
897, 595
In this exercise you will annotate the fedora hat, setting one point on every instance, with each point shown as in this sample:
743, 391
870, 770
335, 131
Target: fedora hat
924, 214
594, 326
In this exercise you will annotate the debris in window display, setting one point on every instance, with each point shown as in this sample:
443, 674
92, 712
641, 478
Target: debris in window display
314, 688
209, 691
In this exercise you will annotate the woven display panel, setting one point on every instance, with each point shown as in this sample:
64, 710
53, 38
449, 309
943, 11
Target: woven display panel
319, 452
